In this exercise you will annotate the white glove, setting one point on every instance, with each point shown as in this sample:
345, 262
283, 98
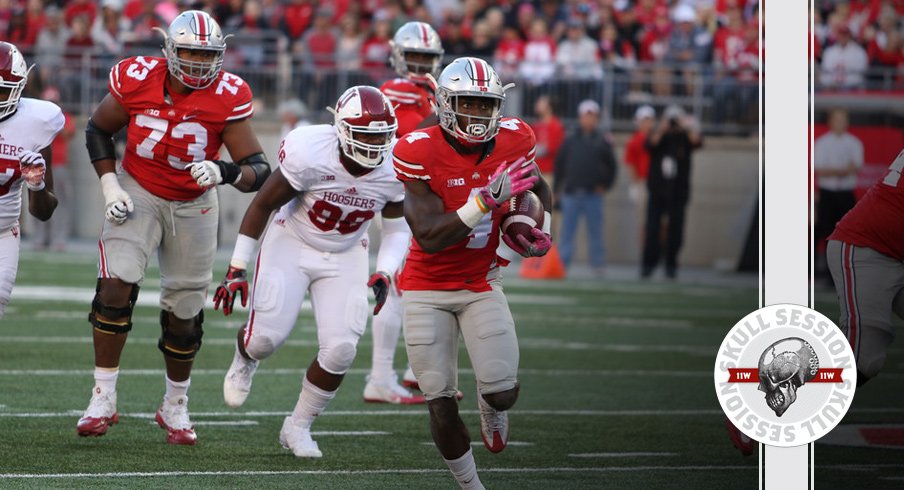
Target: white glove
206, 173
33, 167
118, 202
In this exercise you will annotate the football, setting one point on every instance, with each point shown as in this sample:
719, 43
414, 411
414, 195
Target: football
525, 211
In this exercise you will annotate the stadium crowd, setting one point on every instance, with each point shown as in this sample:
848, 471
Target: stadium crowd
658, 48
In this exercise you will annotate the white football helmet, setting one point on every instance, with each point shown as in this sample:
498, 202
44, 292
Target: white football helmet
194, 29
13, 77
416, 37
469, 77
364, 110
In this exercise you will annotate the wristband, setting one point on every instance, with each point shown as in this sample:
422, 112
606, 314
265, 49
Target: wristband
241, 254
547, 222
39, 187
471, 213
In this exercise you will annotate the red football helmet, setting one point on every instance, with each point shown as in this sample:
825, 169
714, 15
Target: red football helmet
363, 111
13, 77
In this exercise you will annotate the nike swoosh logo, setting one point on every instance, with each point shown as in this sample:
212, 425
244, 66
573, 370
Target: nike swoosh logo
496, 188
189, 116
205, 210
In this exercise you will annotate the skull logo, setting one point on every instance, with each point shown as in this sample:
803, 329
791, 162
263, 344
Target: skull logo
784, 367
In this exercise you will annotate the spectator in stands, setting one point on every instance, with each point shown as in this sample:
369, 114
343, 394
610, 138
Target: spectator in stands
637, 157
837, 157
509, 54
317, 50
230, 13
538, 67
653, 48
375, 50
75, 8
671, 145
348, 45
54, 233
141, 32
80, 41
577, 56
619, 56
526, 14
482, 45
251, 45
885, 46
688, 47
555, 15
110, 28
19, 32
317, 47
549, 132
730, 63
843, 63
51, 44
297, 17
454, 42
293, 114
585, 169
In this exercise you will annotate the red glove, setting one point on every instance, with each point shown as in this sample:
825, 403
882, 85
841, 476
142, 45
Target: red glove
379, 282
538, 248
236, 281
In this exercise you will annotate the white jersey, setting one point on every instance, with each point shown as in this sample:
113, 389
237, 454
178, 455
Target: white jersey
335, 208
31, 128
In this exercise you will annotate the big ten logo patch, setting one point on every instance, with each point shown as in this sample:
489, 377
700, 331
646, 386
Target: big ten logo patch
785, 375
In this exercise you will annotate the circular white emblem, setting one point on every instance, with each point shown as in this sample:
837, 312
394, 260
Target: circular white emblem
785, 375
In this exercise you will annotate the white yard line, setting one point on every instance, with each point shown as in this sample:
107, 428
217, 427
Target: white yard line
404, 471
620, 455
299, 372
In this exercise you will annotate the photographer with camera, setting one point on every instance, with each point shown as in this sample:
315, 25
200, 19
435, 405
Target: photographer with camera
668, 183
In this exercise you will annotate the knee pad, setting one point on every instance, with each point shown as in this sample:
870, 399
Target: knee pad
118, 312
338, 357
260, 347
178, 341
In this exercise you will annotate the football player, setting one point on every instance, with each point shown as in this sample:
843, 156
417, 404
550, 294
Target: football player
416, 55
28, 127
179, 110
866, 259
331, 182
457, 176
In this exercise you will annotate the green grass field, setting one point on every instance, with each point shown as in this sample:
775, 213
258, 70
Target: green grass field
617, 392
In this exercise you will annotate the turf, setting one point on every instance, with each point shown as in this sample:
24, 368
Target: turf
617, 392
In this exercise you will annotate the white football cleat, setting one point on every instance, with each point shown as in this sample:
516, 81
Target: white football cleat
173, 416
100, 414
237, 384
494, 426
298, 440
388, 390
409, 381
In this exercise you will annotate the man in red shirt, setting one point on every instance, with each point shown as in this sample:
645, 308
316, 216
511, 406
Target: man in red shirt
549, 132
458, 176
179, 111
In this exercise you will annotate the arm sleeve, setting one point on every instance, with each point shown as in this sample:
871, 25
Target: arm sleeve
395, 238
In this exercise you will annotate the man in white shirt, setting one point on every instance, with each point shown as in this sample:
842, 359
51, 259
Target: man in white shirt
843, 63
838, 156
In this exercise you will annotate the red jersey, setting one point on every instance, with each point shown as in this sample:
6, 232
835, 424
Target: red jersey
637, 156
168, 131
425, 155
877, 221
412, 102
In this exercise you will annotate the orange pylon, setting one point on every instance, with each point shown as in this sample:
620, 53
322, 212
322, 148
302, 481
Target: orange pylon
549, 266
